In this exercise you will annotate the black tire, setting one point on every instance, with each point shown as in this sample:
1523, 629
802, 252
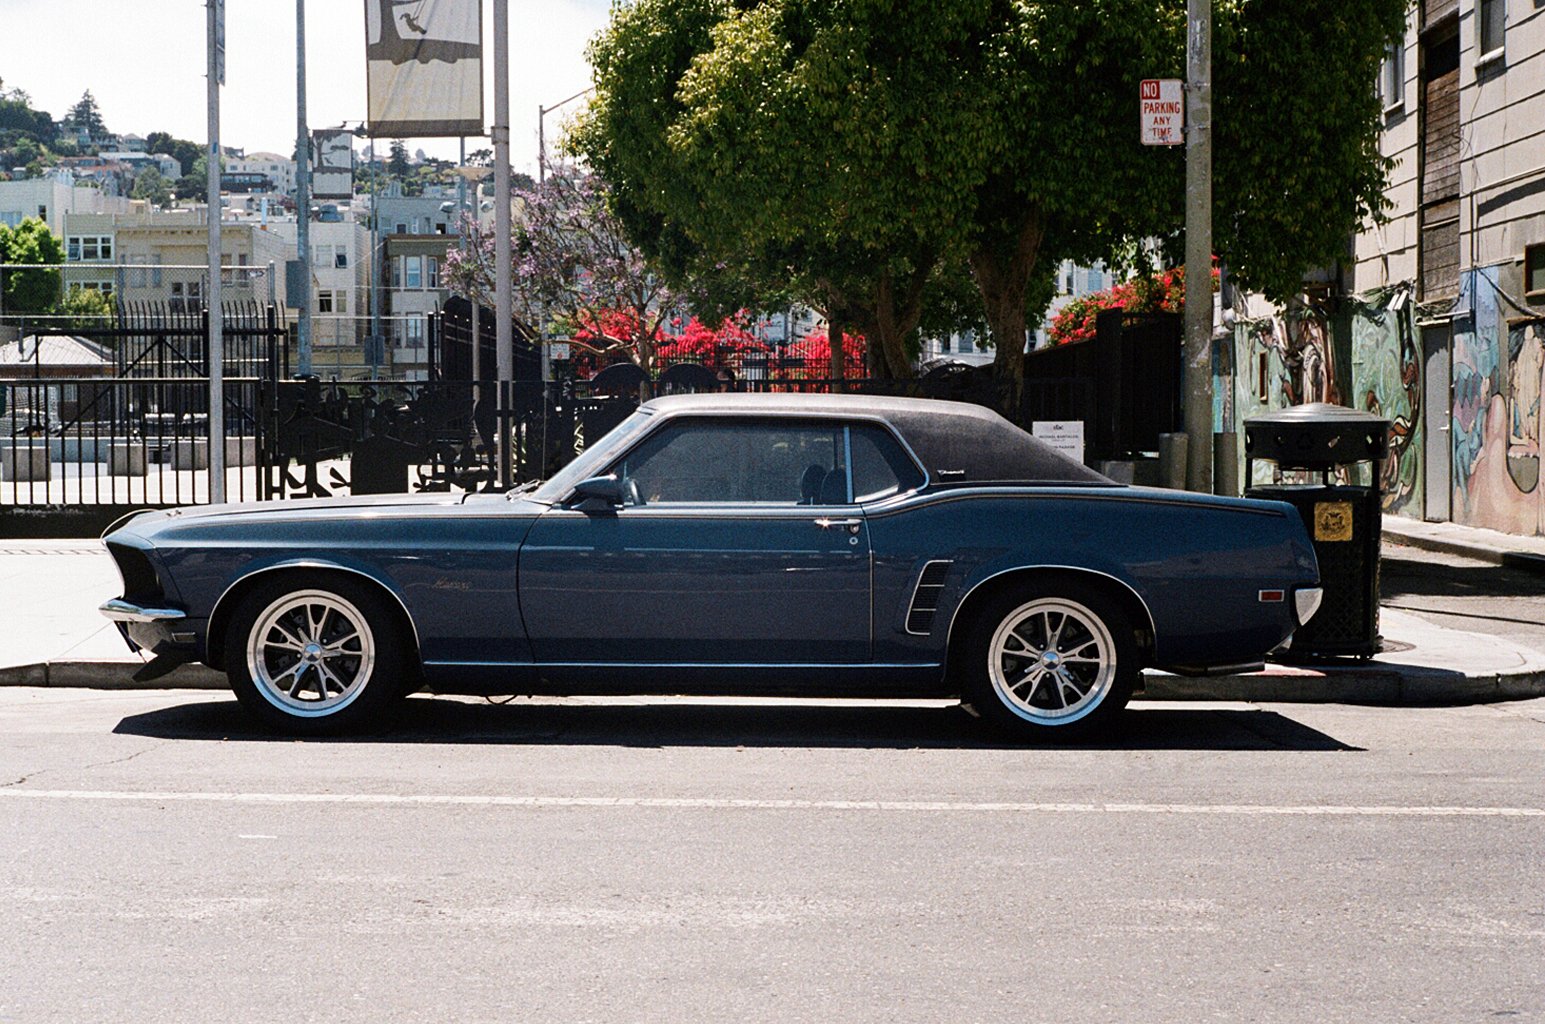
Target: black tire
274, 639
1069, 690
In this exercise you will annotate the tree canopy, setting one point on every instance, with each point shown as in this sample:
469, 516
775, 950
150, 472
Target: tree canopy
30, 290
863, 146
85, 116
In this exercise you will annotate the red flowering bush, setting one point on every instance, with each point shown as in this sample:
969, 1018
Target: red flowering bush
723, 346
815, 350
1164, 292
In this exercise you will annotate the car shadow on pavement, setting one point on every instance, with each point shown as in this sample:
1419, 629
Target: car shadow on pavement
867, 726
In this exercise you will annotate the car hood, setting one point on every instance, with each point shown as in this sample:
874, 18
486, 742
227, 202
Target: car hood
150, 524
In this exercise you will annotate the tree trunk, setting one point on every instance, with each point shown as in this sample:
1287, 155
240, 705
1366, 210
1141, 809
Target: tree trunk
1002, 270
895, 317
834, 340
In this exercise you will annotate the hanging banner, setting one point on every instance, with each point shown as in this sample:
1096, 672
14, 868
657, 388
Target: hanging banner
424, 67
332, 162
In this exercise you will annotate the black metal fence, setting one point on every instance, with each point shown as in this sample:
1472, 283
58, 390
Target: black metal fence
76, 452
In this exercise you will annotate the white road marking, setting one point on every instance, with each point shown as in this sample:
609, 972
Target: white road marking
732, 803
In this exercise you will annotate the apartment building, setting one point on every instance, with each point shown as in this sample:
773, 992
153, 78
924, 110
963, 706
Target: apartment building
1464, 120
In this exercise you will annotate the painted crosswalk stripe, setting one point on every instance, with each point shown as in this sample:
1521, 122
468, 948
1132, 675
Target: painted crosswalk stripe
739, 803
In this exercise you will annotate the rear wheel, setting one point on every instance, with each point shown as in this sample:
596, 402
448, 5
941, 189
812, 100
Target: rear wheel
316, 654
1057, 662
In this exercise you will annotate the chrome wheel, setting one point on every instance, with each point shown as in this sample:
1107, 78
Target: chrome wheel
1052, 661
310, 653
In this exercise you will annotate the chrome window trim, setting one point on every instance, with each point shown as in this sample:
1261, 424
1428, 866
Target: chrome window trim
898, 503
309, 563
846, 421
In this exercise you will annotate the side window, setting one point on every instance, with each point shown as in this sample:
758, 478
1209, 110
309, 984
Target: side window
772, 463
880, 465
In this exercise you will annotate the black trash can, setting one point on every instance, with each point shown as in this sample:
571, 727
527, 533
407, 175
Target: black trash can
1343, 520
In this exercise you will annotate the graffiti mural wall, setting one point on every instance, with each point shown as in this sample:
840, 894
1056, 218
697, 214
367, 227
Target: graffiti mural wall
1499, 370
1387, 381
1279, 361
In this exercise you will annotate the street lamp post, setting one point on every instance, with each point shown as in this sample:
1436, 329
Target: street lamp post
541, 130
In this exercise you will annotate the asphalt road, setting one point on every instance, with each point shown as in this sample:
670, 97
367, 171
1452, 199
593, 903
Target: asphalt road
705, 862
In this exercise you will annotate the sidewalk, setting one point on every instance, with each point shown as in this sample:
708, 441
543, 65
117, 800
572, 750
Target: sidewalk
54, 636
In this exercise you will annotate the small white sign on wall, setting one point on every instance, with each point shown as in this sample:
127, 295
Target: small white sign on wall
1066, 436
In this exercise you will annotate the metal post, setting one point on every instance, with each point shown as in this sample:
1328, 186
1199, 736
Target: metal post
1198, 318
216, 353
302, 194
376, 269
502, 297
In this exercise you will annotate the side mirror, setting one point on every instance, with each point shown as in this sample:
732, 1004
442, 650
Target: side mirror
597, 494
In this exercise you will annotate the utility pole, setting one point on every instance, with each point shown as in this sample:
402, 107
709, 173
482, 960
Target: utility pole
302, 195
1198, 318
503, 335
215, 319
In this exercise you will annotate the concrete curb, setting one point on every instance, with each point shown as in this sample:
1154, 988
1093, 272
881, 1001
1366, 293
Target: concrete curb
109, 675
1353, 684
1371, 684
1470, 542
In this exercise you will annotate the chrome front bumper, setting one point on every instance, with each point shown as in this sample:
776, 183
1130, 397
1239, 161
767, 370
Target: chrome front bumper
157, 630
120, 610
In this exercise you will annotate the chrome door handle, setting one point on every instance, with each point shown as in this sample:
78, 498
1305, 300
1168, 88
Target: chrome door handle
851, 524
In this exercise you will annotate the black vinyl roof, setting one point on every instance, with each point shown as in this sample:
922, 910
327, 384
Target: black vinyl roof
958, 443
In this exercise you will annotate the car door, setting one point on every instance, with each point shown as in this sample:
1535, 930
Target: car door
742, 545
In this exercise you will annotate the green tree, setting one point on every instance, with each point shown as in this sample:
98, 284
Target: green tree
85, 307
862, 145
85, 116
181, 150
30, 242
150, 185
397, 163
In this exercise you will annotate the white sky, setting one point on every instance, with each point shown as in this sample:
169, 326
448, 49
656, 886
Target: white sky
144, 60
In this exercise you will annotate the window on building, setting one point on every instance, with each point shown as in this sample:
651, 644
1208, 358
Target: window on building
402, 228
1491, 18
324, 301
1392, 76
413, 332
1534, 271
341, 258
434, 272
413, 272
89, 247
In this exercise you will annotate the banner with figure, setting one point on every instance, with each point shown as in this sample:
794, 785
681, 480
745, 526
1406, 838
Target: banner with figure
424, 63
332, 156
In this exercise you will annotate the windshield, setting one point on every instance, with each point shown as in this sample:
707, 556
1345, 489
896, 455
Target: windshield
594, 458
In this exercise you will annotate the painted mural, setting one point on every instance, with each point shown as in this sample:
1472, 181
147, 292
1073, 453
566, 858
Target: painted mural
1387, 381
1499, 372
1279, 361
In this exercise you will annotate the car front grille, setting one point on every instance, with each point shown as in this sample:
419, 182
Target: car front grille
139, 576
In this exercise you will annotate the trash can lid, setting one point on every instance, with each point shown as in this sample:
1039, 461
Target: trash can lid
1319, 412
1316, 436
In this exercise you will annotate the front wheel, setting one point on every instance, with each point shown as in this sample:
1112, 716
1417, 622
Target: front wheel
316, 655
1054, 663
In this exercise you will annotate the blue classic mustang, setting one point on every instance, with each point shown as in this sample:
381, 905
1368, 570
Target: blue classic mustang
818, 545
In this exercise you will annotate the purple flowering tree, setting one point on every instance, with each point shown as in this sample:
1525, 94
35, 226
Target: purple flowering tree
574, 269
